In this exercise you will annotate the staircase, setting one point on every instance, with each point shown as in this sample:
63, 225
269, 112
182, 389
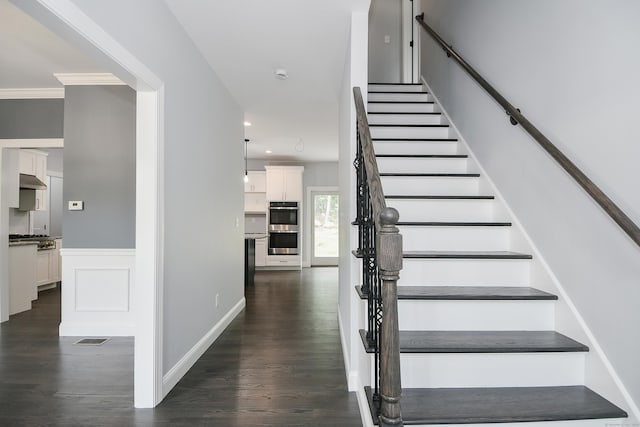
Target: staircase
477, 343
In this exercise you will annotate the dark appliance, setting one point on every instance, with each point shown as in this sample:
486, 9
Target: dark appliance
283, 228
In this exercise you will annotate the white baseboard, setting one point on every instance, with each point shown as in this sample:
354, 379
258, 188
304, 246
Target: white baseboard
176, 373
352, 375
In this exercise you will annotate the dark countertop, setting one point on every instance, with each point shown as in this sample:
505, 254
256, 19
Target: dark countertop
254, 236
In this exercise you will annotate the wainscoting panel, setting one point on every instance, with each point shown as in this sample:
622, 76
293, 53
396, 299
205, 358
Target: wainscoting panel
97, 292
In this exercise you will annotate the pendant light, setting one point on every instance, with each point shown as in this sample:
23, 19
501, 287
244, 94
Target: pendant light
246, 177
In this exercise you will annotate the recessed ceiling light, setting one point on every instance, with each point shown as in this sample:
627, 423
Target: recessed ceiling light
281, 74
247, 123
268, 151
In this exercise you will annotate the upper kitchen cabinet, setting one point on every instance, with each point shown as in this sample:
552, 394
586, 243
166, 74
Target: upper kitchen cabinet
33, 162
257, 182
284, 183
255, 192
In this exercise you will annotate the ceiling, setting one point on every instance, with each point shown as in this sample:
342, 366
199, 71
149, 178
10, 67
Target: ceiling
30, 53
245, 41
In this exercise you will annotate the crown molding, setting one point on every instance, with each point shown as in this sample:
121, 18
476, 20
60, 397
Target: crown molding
28, 93
87, 79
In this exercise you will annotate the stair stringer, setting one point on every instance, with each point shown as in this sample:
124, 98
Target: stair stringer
600, 375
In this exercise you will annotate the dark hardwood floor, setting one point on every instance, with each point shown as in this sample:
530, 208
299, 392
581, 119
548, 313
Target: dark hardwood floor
278, 363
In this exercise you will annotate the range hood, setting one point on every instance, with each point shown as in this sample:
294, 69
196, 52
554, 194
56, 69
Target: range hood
31, 182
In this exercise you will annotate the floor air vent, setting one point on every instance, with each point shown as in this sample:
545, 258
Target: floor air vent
92, 341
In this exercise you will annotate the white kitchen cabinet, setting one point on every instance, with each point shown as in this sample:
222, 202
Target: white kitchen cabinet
257, 182
255, 203
284, 183
43, 268
22, 277
48, 266
261, 252
283, 260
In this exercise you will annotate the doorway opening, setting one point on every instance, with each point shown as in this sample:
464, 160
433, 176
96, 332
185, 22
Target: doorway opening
325, 216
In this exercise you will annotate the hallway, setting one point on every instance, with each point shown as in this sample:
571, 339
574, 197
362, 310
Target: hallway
278, 363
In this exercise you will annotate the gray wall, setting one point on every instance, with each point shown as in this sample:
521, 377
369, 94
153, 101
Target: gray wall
385, 59
572, 66
203, 194
31, 118
99, 166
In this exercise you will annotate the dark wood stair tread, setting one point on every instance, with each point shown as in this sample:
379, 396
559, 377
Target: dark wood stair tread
436, 197
469, 293
412, 113
483, 342
466, 255
501, 405
458, 255
395, 125
423, 156
452, 224
401, 102
433, 175
416, 139
394, 92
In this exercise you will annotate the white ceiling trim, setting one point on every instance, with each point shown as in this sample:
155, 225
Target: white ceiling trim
28, 93
86, 79
32, 143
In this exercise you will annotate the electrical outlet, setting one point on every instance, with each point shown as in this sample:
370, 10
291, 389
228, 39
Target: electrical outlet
217, 299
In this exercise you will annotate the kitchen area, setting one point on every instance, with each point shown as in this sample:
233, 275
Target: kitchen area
273, 200
33, 191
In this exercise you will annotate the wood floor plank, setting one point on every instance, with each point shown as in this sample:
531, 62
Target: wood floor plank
278, 363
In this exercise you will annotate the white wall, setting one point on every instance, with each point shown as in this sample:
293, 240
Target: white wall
385, 59
349, 310
572, 67
201, 203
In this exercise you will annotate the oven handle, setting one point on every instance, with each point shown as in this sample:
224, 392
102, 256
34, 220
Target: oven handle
283, 209
282, 231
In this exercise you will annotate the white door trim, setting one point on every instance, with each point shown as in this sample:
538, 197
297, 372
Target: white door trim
306, 262
74, 25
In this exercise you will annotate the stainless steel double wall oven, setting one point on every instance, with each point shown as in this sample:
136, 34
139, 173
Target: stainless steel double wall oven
283, 228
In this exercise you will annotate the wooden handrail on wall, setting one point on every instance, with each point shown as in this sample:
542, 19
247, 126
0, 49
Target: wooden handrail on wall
629, 227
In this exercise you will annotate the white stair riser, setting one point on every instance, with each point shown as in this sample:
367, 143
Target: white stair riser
420, 107
430, 186
464, 272
406, 97
395, 88
491, 369
409, 132
415, 147
421, 165
415, 315
444, 210
465, 238
405, 119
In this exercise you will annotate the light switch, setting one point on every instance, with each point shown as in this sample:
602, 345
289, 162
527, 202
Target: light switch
76, 205
387, 39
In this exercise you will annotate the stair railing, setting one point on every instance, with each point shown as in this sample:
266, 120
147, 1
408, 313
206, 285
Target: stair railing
380, 246
516, 117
